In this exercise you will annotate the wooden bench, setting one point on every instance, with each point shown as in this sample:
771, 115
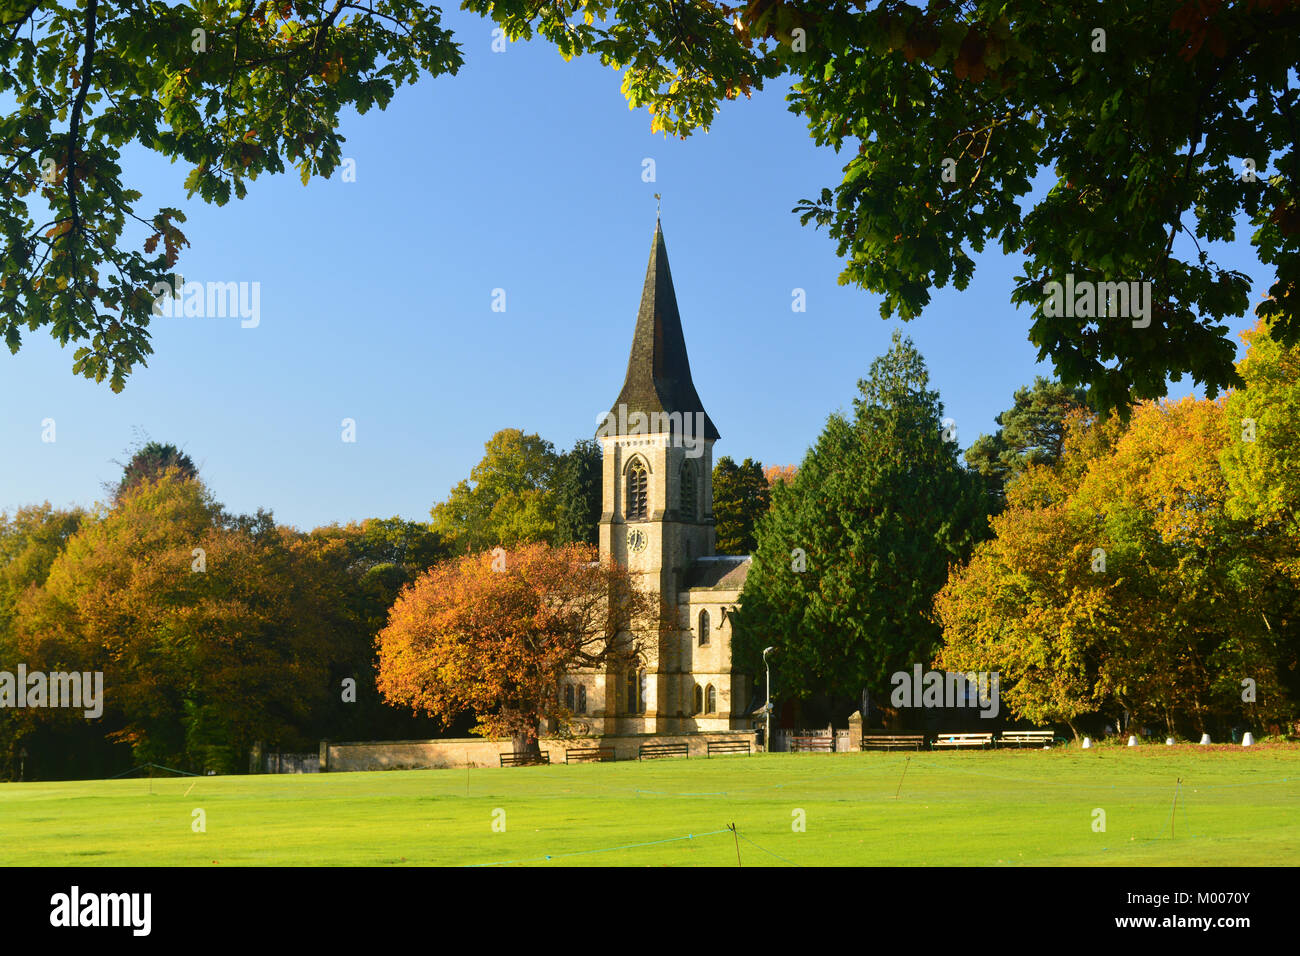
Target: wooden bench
893, 741
525, 759
663, 750
578, 754
798, 744
964, 740
728, 747
1027, 738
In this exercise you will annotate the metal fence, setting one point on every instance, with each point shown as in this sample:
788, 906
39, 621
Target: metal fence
781, 738
290, 763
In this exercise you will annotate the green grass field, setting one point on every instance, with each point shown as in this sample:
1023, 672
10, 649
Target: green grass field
1235, 807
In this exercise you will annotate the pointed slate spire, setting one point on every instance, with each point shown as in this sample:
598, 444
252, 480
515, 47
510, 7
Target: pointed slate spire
658, 371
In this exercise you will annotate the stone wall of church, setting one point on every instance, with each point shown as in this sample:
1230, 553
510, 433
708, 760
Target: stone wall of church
478, 752
710, 663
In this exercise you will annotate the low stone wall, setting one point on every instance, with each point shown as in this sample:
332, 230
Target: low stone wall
478, 752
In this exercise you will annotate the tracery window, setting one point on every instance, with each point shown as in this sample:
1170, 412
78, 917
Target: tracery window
638, 499
688, 493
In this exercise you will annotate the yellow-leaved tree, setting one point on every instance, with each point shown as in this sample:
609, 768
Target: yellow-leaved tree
1119, 581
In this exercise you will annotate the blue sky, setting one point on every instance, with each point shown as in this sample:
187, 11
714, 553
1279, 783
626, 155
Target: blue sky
522, 173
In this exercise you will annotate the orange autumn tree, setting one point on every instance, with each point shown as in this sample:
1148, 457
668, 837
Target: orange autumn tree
495, 635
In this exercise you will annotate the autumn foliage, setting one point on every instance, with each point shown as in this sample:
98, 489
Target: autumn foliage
472, 635
1121, 581
213, 631
775, 473
208, 630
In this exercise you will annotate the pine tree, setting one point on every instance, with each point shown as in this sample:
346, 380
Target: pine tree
576, 486
1030, 432
740, 498
857, 544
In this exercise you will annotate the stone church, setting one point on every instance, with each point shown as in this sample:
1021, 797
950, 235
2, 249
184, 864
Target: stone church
657, 519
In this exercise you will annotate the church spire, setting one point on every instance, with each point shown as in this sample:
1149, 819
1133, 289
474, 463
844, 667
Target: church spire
658, 371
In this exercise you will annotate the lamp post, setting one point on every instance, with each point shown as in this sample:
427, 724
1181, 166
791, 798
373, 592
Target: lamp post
767, 709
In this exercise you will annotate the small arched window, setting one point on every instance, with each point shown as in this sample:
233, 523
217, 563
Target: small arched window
710, 700
689, 497
699, 699
568, 697
704, 628
582, 698
638, 501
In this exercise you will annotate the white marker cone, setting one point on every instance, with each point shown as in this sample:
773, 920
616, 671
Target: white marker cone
1169, 741
1087, 742
1132, 741
1247, 740
1205, 739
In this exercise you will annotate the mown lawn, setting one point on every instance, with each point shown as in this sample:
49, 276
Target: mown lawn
1235, 807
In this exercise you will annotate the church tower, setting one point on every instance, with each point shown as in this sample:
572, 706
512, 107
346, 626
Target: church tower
657, 493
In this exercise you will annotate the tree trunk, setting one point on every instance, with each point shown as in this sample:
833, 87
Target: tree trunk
526, 743
891, 718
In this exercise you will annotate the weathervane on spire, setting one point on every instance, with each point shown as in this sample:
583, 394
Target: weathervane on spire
658, 203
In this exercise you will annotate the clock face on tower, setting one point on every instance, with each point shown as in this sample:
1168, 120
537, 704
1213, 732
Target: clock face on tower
637, 540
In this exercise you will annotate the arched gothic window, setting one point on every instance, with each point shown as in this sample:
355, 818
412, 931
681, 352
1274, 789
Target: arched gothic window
638, 499
699, 699
582, 698
636, 691
704, 628
710, 700
568, 697
689, 497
